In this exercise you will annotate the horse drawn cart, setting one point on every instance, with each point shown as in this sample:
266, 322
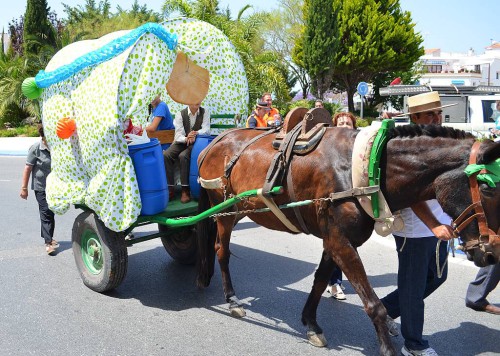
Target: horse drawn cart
90, 91
101, 84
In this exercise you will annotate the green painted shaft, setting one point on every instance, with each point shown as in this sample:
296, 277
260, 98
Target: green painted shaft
191, 220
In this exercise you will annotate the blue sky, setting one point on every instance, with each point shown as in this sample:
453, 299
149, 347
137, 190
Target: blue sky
452, 25
456, 25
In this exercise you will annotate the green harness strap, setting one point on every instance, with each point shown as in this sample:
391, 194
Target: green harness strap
373, 166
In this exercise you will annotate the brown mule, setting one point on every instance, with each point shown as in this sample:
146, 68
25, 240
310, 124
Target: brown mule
418, 163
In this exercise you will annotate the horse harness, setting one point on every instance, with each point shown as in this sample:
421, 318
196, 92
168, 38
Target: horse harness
300, 134
276, 172
486, 235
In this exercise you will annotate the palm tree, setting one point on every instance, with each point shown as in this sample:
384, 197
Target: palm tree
14, 106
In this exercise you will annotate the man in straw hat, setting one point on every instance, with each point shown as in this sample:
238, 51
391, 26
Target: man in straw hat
189, 122
426, 108
425, 224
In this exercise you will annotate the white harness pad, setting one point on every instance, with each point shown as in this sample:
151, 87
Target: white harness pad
387, 222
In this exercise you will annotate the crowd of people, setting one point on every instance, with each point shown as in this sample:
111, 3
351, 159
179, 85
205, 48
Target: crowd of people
426, 226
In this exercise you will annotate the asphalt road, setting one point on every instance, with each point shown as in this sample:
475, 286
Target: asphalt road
46, 310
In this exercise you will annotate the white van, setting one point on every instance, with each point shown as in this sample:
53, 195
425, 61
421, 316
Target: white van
475, 110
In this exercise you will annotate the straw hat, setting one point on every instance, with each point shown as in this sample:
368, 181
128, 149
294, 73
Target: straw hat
188, 83
425, 102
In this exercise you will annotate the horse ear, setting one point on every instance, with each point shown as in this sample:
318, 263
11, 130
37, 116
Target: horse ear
491, 153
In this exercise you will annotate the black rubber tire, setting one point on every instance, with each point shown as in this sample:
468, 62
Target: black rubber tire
105, 269
180, 244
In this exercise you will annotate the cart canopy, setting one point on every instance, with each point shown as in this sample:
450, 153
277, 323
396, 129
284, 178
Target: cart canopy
101, 83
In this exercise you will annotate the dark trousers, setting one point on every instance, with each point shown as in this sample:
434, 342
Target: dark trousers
486, 280
336, 276
417, 279
46, 217
183, 152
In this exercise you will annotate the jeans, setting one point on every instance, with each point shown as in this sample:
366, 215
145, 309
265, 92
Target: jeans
46, 217
486, 280
417, 279
336, 276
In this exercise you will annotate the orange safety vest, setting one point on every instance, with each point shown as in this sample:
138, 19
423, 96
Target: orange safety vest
260, 120
269, 117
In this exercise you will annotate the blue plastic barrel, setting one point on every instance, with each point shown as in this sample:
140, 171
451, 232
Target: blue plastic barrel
201, 142
150, 171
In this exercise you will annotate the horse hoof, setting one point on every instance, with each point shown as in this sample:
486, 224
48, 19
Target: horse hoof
317, 340
238, 312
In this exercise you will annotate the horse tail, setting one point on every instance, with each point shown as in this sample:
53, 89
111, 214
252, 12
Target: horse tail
206, 232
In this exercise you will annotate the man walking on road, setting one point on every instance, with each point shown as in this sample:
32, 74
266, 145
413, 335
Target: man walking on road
38, 165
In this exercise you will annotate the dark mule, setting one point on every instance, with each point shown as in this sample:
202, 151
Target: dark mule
418, 163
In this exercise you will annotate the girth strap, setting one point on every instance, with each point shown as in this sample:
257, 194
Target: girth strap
279, 214
291, 194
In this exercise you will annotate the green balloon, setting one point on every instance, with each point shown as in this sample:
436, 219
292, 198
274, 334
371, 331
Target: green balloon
30, 89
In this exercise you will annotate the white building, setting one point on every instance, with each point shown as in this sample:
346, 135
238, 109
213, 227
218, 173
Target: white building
467, 69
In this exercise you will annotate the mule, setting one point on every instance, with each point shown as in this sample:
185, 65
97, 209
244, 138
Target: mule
419, 163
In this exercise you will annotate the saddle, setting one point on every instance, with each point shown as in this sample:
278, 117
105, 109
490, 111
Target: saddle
302, 130
312, 124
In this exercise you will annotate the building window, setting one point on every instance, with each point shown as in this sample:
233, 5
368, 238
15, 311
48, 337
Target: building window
498, 75
434, 68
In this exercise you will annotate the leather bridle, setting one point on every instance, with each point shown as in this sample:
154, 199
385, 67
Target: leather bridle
486, 236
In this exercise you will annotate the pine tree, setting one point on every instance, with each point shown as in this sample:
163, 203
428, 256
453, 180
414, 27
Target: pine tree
376, 37
364, 38
38, 31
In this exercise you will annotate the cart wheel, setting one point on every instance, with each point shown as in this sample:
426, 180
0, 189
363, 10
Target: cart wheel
100, 254
180, 243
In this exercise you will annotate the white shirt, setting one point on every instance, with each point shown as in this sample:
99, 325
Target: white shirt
415, 228
180, 133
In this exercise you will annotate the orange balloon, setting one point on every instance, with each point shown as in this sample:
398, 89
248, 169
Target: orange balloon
65, 127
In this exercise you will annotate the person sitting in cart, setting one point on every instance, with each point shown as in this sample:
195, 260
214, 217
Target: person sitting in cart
273, 116
256, 119
162, 119
191, 121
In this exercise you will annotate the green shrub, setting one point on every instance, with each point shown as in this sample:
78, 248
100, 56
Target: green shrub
309, 104
362, 122
22, 131
13, 115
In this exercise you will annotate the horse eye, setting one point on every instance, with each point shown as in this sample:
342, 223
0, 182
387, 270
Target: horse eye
487, 191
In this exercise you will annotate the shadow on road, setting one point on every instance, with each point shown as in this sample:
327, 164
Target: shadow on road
265, 281
469, 332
